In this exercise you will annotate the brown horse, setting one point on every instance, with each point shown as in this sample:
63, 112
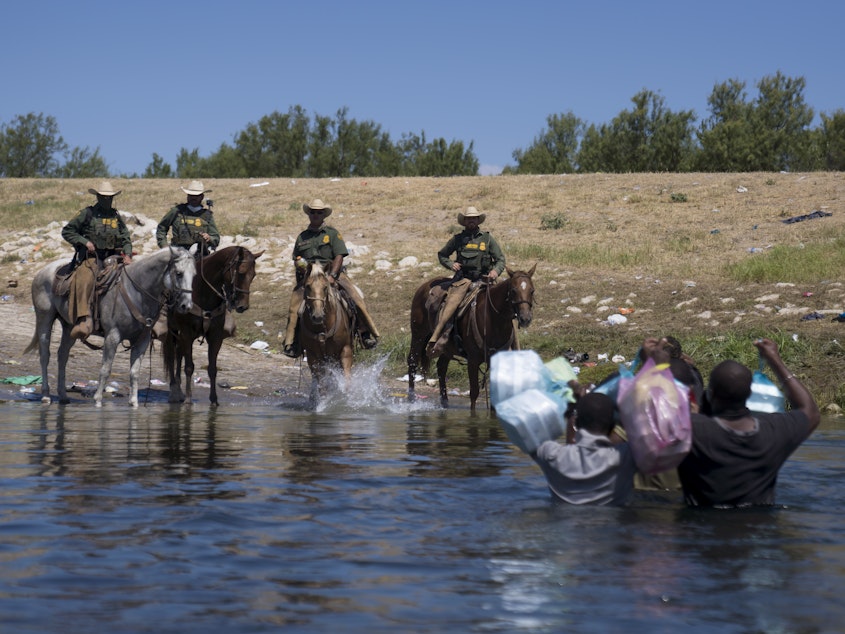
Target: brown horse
221, 284
485, 327
326, 329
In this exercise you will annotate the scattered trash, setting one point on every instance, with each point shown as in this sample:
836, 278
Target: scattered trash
602, 357
741, 189
809, 216
626, 311
807, 293
259, 345
417, 377
5, 298
615, 320
617, 358
28, 379
575, 357
13, 284
29, 202
812, 316
795, 337
714, 231
840, 317
259, 324
260, 184
158, 382
755, 250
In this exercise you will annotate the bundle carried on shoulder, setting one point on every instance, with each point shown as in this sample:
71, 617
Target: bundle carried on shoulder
530, 397
655, 412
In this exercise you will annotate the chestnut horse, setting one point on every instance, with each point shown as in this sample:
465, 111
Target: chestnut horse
326, 329
221, 284
483, 328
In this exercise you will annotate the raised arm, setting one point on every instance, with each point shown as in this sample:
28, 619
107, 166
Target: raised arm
798, 395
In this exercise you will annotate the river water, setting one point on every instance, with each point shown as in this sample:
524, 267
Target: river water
373, 515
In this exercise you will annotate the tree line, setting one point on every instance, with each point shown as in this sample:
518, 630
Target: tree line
769, 132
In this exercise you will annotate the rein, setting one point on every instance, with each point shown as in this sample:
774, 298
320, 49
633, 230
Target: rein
232, 265
147, 322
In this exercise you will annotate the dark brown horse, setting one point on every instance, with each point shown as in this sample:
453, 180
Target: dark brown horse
485, 327
221, 284
326, 329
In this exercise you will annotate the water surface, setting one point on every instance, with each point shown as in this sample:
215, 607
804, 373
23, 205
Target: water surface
378, 516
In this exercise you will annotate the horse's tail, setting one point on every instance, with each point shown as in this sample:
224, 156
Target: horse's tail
32, 344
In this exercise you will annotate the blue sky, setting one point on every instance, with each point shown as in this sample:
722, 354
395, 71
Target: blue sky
133, 78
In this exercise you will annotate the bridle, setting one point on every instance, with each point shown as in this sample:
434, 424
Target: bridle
229, 290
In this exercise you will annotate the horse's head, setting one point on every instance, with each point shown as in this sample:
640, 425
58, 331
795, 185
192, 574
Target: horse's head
240, 273
179, 279
317, 289
521, 295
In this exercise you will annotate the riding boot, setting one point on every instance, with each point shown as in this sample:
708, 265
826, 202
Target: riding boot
440, 336
83, 328
291, 347
229, 324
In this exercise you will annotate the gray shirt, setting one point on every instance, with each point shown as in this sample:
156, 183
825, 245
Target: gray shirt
591, 471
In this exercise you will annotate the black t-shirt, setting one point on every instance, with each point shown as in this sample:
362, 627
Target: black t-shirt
729, 468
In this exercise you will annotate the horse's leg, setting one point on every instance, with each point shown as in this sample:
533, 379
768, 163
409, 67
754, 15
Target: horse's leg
186, 355
472, 371
43, 330
442, 366
65, 344
136, 360
346, 364
110, 343
214, 344
174, 368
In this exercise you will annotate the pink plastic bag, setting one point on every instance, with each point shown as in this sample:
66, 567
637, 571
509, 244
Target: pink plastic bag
655, 413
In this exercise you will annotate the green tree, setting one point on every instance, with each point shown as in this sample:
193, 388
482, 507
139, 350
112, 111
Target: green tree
158, 168
726, 136
554, 150
83, 163
832, 141
648, 138
276, 145
780, 124
189, 164
30, 145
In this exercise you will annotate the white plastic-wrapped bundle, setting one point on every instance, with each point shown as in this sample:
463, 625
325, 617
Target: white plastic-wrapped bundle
514, 371
765, 395
532, 417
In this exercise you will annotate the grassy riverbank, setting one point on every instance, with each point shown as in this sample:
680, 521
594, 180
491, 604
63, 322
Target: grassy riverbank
704, 257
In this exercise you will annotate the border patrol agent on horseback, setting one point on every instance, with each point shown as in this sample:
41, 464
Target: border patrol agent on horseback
323, 244
477, 254
190, 223
96, 233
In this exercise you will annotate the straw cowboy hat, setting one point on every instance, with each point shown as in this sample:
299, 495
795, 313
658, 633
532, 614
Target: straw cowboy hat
471, 212
195, 189
105, 189
317, 205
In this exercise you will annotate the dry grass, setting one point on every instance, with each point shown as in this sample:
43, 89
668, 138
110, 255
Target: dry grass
625, 241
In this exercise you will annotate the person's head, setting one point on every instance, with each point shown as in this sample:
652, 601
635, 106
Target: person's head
729, 388
594, 413
195, 192
317, 211
105, 194
672, 346
471, 218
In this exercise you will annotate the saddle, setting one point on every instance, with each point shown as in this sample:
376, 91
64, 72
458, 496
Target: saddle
61, 283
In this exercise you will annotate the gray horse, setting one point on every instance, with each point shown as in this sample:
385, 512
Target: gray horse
127, 312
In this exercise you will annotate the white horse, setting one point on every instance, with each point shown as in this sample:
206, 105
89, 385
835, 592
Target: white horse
128, 311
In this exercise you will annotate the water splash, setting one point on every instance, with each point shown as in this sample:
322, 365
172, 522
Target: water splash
367, 392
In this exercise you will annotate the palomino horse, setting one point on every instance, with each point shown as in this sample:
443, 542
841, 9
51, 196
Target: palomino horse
485, 327
128, 310
326, 328
221, 284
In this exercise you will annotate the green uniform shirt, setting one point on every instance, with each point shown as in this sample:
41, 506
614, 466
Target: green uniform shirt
104, 228
478, 253
186, 227
321, 246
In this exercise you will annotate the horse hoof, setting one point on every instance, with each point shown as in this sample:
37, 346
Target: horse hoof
444, 403
46, 400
